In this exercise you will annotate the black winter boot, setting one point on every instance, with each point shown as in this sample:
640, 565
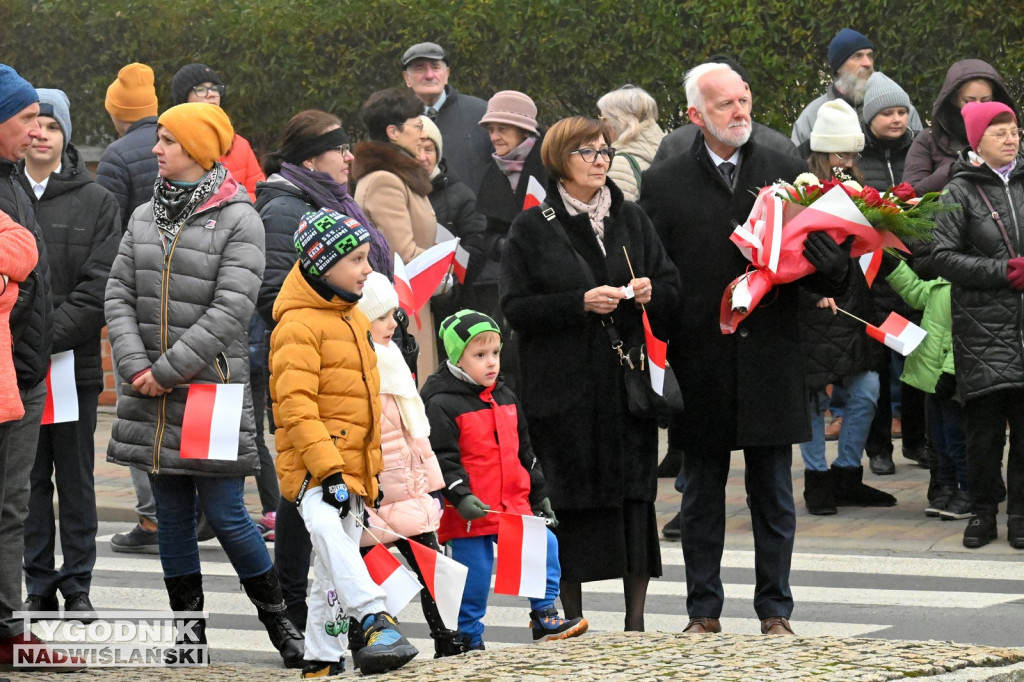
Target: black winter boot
264, 591
850, 490
673, 462
819, 492
185, 593
447, 643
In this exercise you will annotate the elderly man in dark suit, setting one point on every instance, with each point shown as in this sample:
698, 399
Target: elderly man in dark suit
744, 390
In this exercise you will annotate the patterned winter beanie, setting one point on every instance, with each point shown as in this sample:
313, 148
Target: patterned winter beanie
459, 329
325, 237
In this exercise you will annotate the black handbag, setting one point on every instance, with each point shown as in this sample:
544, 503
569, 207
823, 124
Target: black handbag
641, 398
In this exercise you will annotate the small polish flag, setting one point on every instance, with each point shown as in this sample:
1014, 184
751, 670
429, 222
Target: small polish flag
213, 417
445, 578
522, 556
656, 352
403, 288
399, 583
423, 274
61, 390
869, 264
461, 255
535, 193
898, 333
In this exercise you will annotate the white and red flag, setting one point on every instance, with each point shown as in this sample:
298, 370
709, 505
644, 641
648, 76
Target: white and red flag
656, 352
870, 263
61, 390
535, 193
522, 556
461, 255
213, 417
446, 580
402, 286
898, 333
418, 279
399, 583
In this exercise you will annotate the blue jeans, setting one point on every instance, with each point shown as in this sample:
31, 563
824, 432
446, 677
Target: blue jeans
221, 499
947, 429
861, 399
477, 554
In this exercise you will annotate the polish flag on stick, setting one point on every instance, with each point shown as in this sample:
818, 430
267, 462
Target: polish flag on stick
522, 556
418, 279
535, 193
446, 580
61, 390
870, 263
399, 583
213, 417
656, 352
402, 287
461, 255
898, 333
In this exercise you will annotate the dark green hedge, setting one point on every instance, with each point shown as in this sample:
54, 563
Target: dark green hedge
282, 56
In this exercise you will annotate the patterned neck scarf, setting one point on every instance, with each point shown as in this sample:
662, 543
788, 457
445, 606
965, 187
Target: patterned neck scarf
512, 163
174, 204
597, 209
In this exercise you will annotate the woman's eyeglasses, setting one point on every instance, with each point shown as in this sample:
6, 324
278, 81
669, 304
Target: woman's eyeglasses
852, 156
344, 149
205, 90
590, 155
1005, 134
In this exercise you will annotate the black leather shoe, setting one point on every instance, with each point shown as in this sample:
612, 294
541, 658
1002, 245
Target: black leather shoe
980, 531
673, 530
36, 604
78, 607
882, 465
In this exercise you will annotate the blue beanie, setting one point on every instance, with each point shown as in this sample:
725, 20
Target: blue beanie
16, 93
55, 104
846, 42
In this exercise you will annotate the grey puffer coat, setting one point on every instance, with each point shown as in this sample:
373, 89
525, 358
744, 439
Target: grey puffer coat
185, 316
970, 250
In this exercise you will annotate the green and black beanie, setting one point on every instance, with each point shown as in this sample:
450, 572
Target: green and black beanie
325, 237
459, 329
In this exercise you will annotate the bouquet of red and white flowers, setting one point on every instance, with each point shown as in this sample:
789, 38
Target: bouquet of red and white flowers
773, 235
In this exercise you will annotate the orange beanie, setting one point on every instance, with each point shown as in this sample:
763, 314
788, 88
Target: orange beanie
132, 96
203, 130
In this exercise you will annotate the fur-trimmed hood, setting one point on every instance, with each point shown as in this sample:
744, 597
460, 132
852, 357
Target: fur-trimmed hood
383, 156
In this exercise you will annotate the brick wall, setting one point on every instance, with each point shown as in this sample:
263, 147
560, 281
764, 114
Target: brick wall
109, 395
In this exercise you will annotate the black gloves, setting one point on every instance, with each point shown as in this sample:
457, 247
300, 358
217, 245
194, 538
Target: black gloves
830, 259
471, 508
888, 266
543, 510
336, 493
380, 494
945, 388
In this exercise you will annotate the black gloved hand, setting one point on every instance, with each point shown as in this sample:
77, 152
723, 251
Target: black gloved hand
336, 493
830, 259
543, 510
945, 388
380, 494
889, 265
471, 508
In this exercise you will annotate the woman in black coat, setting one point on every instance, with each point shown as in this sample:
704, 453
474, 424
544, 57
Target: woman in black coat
978, 247
557, 285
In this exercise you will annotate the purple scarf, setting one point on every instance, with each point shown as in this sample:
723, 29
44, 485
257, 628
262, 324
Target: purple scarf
326, 193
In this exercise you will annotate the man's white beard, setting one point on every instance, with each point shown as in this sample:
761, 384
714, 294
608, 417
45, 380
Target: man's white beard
733, 136
853, 85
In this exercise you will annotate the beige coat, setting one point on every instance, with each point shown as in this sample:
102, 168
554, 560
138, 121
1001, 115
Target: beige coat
392, 190
642, 147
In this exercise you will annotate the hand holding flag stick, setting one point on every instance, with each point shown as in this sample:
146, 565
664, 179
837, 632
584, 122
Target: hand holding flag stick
897, 332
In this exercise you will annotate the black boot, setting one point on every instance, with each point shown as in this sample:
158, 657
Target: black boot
185, 593
819, 492
670, 466
297, 613
850, 490
447, 643
265, 593
356, 639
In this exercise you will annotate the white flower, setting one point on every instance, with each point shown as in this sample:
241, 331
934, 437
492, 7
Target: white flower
854, 185
805, 179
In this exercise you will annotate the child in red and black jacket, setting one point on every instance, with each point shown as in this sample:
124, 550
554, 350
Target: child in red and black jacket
478, 433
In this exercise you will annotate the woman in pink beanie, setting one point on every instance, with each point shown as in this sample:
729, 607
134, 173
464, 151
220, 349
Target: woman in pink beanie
979, 247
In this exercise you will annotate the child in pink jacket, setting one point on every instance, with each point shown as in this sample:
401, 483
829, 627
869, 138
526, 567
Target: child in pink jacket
411, 472
18, 257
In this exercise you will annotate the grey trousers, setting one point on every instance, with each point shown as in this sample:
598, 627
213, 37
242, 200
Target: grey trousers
17, 455
146, 507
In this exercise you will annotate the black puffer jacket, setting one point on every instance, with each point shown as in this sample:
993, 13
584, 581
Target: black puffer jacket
970, 250
128, 167
32, 316
81, 225
281, 206
835, 345
455, 207
882, 161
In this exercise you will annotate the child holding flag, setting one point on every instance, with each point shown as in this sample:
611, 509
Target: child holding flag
409, 469
324, 385
479, 435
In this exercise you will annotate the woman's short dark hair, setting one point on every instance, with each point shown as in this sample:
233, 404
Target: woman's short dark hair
302, 127
391, 107
566, 136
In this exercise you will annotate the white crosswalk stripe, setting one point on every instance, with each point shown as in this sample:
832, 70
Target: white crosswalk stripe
835, 583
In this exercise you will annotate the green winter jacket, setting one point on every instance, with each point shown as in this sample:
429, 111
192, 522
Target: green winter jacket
935, 354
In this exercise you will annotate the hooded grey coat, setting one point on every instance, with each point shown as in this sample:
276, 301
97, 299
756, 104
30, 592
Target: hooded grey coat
186, 317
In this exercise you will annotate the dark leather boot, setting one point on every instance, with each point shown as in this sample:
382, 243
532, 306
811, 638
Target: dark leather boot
819, 492
851, 491
185, 593
264, 591
447, 643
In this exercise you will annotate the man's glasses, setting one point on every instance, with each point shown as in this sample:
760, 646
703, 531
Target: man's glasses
590, 155
205, 90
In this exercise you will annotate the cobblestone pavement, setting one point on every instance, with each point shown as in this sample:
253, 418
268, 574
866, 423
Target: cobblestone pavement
658, 656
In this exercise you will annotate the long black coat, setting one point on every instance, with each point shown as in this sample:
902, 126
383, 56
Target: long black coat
81, 224
970, 251
594, 454
747, 388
